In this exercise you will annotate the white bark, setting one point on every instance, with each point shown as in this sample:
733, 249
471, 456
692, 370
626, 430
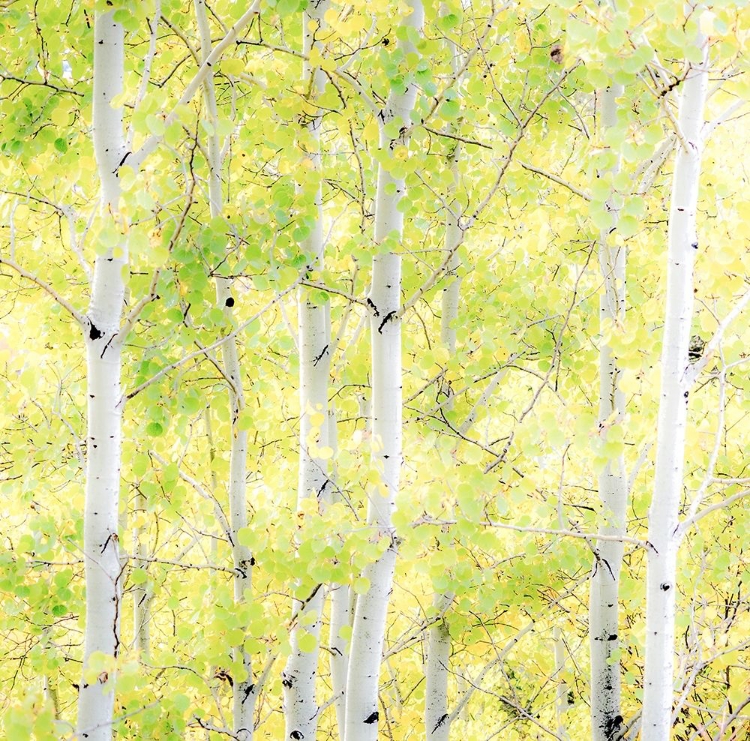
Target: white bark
606, 717
142, 593
341, 617
243, 689
561, 700
341, 610
436, 716
675, 381
103, 345
368, 633
300, 703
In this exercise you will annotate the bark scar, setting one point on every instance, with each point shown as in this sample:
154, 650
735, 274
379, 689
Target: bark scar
389, 315
441, 721
320, 357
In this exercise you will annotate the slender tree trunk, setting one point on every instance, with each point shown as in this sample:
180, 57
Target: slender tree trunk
243, 688
300, 703
606, 717
341, 616
103, 345
561, 699
436, 716
670, 447
368, 633
142, 592
341, 606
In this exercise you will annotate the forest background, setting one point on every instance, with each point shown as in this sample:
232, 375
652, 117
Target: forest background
374, 368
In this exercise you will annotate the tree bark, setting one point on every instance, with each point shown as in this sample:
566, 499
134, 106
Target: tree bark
243, 688
606, 717
672, 420
300, 672
103, 350
436, 716
142, 593
384, 300
341, 610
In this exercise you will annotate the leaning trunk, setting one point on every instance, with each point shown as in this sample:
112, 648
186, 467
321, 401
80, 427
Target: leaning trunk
103, 349
670, 451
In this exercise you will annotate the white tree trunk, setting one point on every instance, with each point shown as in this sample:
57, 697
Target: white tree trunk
437, 725
436, 716
368, 632
341, 610
300, 703
606, 717
341, 617
243, 688
561, 699
103, 345
670, 451
142, 593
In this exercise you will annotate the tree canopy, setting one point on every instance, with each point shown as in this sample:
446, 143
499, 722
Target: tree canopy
263, 157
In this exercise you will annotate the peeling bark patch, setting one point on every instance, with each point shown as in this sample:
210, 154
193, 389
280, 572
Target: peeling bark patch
372, 718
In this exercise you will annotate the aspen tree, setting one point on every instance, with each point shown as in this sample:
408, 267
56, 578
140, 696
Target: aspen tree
437, 718
661, 579
243, 688
300, 704
104, 365
384, 300
606, 717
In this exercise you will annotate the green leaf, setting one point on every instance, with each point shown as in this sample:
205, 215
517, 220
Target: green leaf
154, 429
306, 642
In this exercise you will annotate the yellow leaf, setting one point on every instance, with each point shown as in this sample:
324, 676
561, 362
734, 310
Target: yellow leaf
361, 585
232, 66
317, 419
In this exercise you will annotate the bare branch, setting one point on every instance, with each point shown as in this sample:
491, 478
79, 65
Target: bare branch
542, 531
205, 350
697, 368
77, 315
137, 158
686, 524
555, 179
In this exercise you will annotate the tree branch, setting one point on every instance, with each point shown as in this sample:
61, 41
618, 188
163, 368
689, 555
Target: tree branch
205, 350
77, 315
137, 158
